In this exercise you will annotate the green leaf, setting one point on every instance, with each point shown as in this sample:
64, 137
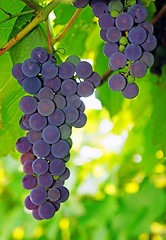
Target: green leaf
62, 10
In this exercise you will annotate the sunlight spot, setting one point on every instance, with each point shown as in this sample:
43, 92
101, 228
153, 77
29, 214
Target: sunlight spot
159, 154
137, 158
159, 168
157, 228
88, 60
89, 152
157, 237
92, 102
52, 16
64, 223
144, 236
105, 126
99, 196
89, 186
160, 181
98, 171
18, 233
110, 189
131, 187
38, 232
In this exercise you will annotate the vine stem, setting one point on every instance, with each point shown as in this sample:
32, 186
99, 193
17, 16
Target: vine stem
70, 23
41, 16
49, 37
17, 15
159, 15
32, 4
105, 76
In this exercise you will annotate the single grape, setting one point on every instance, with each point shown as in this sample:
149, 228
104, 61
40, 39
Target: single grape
137, 35
65, 131
70, 142
60, 149
59, 101
38, 196
123, 40
130, 79
34, 136
66, 159
17, 71
31, 67
65, 175
100, 8
46, 107
80, 3
57, 167
106, 21
28, 203
117, 82
138, 69
117, 61
113, 34
54, 83
41, 148
103, 35
45, 180
23, 145
85, 89
150, 43
32, 85
68, 87
81, 121
73, 59
57, 118
40, 54
147, 26
83, 69
58, 183
45, 92
124, 21
37, 122
51, 134
110, 48
121, 48
115, 5
73, 100
35, 214
147, 58
94, 79
40, 166
28, 182
64, 194
28, 104
82, 107
71, 114
27, 167
53, 194
27, 156
49, 70
138, 12
114, 13
22, 126
66, 70
25, 120
131, 91
133, 52
50, 157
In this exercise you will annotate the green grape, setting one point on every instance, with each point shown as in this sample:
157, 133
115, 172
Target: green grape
73, 59
130, 79
121, 48
114, 13
115, 5
123, 40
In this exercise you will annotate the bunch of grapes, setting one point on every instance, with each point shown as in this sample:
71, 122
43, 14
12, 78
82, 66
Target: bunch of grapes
49, 114
129, 41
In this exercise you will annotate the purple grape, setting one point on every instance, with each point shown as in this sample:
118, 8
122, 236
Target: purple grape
17, 72
51, 134
46, 107
27, 156
38, 196
99, 8
147, 58
138, 69
46, 210
22, 126
34, 136
133, 52
57, 118
35, 214
45, 180
94, 79
66, 159
37, 122
54, 83
82, 107
150, 43
71, 114
117, 82
110, 48
81, 121
66, 70
28, 182
64, 176
41, 148
58, 183
45, 92
137, 35
131, 91
28, 203
27, 167
28, 104
138, 12
31, 85
106, 21
80, 3
65, 131
103, 35
83, 69
93, 2
60, 101
64, 194
57, 167
53, 194
74, 100
60, 149
147, 26
85, 89
30, 67
40, 54
40, 166
50, 157
124, 21
117, 61
49, 70
113, 34
52, 58
68, 87
25, 120
23, 145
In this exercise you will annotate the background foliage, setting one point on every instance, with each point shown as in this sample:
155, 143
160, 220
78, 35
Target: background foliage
118, 164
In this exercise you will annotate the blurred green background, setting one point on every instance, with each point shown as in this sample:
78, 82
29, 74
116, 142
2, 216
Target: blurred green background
118, 164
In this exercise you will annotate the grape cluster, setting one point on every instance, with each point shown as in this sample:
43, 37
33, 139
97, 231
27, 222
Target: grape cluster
48, 119
129, 40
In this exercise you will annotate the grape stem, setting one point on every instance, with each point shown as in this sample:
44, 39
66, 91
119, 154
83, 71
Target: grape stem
32, 4
49, 37
70, 23
159, 15
16, 15
41, 16
105, 76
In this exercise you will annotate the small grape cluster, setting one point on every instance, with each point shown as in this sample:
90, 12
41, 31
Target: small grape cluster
129, 41
48, 119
